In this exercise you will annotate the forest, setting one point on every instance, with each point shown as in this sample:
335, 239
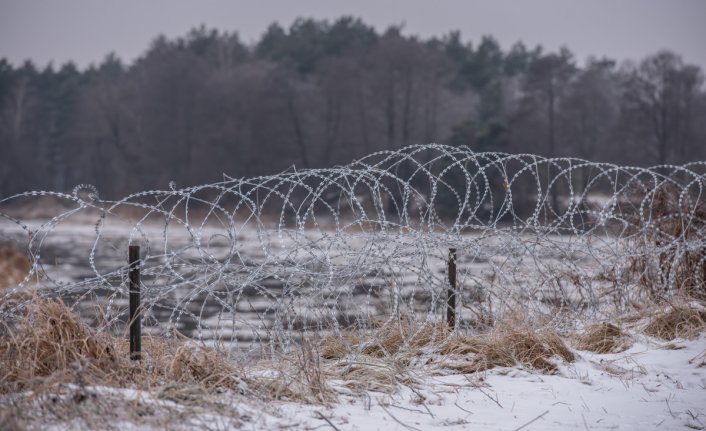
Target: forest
322, 93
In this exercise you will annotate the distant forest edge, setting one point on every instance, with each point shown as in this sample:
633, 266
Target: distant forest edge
323, 93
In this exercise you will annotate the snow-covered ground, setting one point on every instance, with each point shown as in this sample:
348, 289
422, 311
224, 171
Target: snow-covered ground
653, 385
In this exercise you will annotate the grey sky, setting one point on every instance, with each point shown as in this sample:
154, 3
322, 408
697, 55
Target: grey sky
86, 30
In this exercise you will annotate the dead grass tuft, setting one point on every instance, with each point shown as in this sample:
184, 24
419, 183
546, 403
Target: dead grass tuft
675, 222
400, 335
680, 321
507, 346
603, 338
378, 374
391, 348
205, 367
299, 375
51, 342
337, 347
14, 266
380, 360
50, 345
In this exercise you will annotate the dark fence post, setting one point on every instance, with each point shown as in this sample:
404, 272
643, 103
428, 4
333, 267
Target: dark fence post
451, 292
135, 318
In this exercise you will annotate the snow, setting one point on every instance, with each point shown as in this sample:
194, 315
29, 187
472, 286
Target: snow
647, 387
653, 385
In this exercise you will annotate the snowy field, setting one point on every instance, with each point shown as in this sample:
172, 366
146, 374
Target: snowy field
653, 385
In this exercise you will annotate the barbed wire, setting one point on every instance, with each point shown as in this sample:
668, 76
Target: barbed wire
261, 261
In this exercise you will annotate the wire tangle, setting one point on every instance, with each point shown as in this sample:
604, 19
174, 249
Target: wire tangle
260, 261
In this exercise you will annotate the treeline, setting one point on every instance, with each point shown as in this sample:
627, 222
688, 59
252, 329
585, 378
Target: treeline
323, 93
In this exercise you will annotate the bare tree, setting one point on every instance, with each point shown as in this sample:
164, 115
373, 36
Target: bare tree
590, 109
659, 98
546, 83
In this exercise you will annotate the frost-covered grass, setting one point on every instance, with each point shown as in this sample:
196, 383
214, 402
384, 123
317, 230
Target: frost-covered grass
653, 385
58, 374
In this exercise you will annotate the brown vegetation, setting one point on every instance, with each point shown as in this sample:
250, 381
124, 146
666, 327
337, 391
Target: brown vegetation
396, 335
679, 321
50, 345
14, 266
508, 345
675, 222
603, 338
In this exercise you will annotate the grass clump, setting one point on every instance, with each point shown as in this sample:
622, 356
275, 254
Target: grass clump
507, 346
397, 336
603, 338
50, 342
398, 342
380, 360
392, 338
679, 321
338, 346
14, 266
299, 376
671, 234
49, 345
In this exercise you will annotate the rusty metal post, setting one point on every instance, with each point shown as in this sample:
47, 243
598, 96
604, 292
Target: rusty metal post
135, 318
451, 292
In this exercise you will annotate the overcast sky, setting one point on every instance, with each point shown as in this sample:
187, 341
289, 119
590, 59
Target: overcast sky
84, 31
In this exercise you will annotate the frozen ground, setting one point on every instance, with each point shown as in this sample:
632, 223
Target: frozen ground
646, 387
653, 385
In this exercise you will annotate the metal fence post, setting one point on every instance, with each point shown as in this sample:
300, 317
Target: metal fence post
451, 292
135, 318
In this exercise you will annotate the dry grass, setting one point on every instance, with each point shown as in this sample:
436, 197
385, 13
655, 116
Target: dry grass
603, 338
679, 321
506, 346
299, 376
403, 335
377, 374
337, 347
14, 266
672, 224
397, 343
390, 338
50, 346
381, 358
